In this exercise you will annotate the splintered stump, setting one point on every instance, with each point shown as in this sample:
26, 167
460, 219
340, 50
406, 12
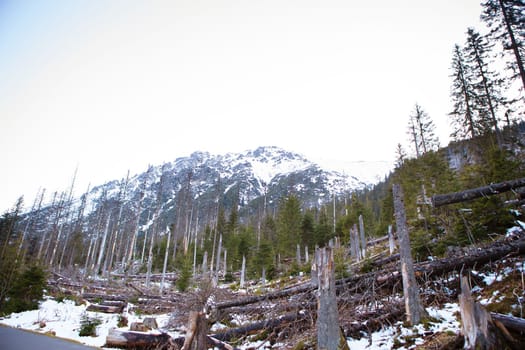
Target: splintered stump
196, 337
479, 328
329, 334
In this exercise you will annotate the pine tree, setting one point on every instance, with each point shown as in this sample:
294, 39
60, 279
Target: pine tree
506, 19
487, 84
421, 130
462, 97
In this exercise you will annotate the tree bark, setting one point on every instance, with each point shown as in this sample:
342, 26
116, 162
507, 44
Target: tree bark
462, 196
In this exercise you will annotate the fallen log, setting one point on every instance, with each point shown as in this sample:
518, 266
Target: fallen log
388, 278
91, 296
462, 196
512, 323
108, 309
306, 287
139, 340
257, 326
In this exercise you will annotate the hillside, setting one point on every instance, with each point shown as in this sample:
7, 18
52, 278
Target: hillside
236, 234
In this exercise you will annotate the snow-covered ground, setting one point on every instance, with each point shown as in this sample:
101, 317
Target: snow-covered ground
63, 318
445, 320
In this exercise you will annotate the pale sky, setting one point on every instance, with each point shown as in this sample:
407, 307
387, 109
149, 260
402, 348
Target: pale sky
115, 85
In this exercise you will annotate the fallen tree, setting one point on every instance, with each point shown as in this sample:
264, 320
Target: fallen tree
489, 190
388, 278
257, 326
140, 340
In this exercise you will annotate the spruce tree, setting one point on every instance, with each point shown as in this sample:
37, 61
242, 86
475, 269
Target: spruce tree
289, 220
506, 20
308, 230
487, 84
462, 95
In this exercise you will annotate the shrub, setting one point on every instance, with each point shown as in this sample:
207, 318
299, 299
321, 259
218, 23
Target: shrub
88, 326
27, 290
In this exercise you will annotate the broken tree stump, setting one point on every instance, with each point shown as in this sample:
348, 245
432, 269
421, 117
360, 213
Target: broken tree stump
414, 309
478, 327
329, 334
196, 336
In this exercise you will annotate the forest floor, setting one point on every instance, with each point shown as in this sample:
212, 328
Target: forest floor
281, 314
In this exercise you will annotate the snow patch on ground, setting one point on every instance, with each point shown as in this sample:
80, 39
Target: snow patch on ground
64, 318
384, 339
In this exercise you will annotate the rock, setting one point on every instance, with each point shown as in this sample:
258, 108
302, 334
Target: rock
151, 322
138, 327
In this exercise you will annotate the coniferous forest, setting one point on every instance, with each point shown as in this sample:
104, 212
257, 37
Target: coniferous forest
51, 246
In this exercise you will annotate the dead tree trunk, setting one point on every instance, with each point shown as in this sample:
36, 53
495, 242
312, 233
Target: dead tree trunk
479, 329
391, 241
414, 309
362, 236
329, 335
138, 340
243, 271
196, 338
270, 324
462, 196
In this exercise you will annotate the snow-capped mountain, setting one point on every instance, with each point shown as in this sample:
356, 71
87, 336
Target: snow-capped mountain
190, 189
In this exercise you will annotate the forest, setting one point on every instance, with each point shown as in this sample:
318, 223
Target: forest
40, 242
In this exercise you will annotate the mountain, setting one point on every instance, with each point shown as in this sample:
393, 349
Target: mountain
255, 180
186, 194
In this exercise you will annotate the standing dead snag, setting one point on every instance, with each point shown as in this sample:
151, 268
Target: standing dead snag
329, 334
413, 306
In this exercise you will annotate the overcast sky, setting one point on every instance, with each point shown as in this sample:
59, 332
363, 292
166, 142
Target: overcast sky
115, 85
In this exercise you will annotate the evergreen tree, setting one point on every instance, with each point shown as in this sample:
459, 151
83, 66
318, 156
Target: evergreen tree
308, 229
487, 86
289, 225
269, 230
263, 259
462, 97
506, 19
27, 290
421, 130
323, 229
